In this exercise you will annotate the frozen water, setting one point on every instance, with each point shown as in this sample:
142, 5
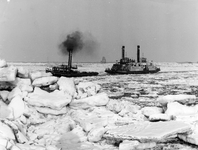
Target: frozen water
138, 90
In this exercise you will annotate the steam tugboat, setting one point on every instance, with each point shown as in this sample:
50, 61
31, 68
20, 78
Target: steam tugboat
130, 66
69, 70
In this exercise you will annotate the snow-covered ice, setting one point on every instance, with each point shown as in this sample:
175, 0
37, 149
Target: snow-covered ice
103, 112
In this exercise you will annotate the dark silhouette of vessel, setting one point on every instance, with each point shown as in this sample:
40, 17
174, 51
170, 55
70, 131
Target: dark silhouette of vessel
103, 60
130, 66
69, 70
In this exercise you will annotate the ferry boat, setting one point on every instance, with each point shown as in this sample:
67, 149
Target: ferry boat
130, 66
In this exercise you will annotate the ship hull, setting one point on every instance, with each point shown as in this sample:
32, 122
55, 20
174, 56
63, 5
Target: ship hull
131, 72
73, 74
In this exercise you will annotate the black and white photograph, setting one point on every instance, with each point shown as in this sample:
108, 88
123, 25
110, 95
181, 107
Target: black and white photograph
98, 74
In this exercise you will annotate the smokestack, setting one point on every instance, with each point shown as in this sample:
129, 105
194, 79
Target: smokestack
138, 53
123, 52
70, 60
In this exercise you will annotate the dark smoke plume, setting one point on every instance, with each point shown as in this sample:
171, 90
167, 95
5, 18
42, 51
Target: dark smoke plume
72, 43
78, 41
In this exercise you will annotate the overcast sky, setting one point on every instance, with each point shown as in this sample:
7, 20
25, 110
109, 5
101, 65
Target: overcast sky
166, 30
